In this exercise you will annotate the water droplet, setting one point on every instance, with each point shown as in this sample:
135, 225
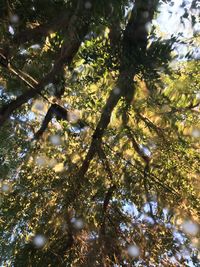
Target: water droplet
14, 19
40, 160
77, 223
38, 105
196, 133
5, 187
55, 140
190, 228
145, 14
39, 241
133, 251
73, 116
88, 5
117, 91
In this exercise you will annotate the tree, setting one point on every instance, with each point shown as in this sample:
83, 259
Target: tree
99, 135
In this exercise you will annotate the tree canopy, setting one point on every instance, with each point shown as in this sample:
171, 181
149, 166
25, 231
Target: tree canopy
99, 133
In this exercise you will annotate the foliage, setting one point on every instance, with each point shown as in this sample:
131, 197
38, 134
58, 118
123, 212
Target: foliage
112, 177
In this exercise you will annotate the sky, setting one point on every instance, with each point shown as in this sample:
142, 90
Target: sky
169, 24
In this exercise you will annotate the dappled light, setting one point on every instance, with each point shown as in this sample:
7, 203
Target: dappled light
100, 133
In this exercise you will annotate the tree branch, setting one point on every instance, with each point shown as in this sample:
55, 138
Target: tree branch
104, 160
25, 77
132, 41
54, 110
190, 107
110, 191
136, 146
151, 125
152, 176
42, 31
77, 29
148, 199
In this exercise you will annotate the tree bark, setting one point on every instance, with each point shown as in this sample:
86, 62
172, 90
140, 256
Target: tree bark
134, 45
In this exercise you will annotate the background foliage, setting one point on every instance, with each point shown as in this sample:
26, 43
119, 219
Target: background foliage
99, 140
